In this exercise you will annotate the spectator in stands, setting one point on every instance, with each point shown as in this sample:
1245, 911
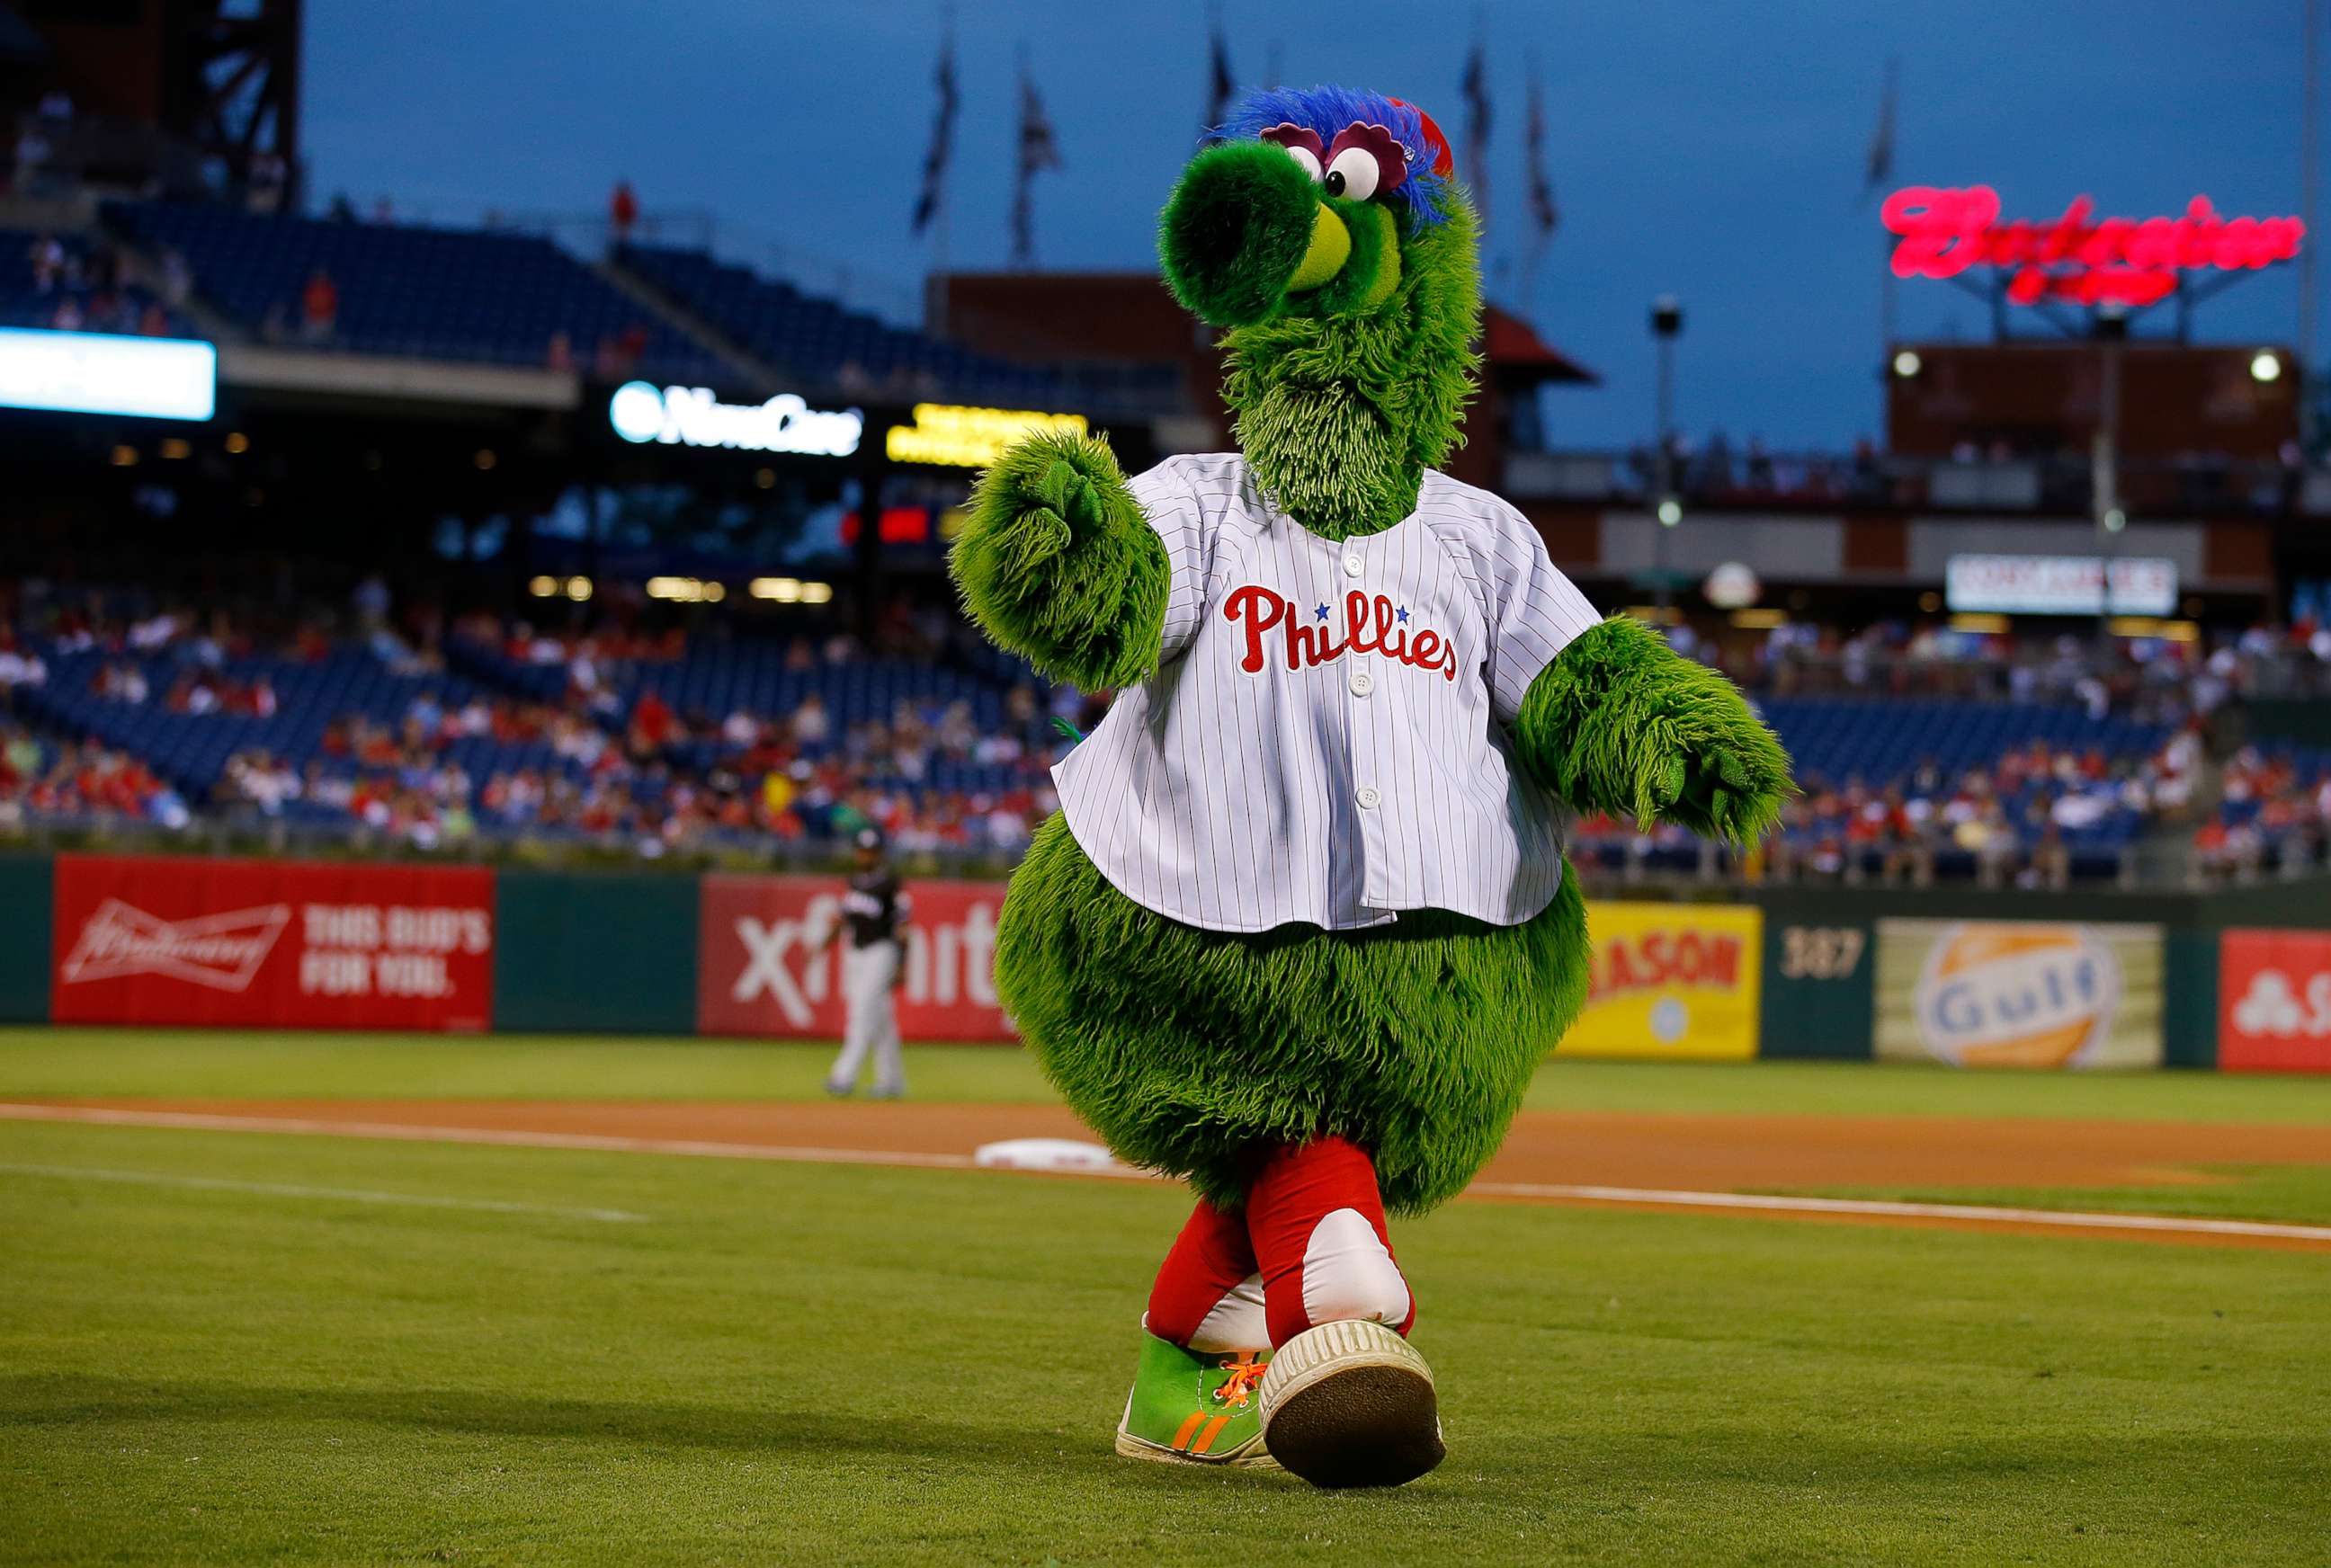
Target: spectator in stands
18, 667
263, 188
655, 725
32, 151
320, 309
810, 725
622, 212
177, 278
372, 600
49, 263
122, 682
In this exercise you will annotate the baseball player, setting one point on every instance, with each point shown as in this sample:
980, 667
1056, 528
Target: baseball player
874, 915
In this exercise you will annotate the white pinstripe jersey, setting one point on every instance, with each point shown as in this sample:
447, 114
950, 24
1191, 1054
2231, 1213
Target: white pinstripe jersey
1324, 739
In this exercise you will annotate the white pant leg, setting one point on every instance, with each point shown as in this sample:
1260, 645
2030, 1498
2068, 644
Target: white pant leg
873, 1019
890, 1051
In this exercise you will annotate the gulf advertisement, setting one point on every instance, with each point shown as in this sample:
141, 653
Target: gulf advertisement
288, 944
764, 967
2019, 994
2274, 1001
1678, 982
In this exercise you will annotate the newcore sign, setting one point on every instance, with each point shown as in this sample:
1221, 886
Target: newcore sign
691, 416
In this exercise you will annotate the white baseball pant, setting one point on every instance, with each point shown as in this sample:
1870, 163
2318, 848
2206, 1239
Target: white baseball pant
867, 974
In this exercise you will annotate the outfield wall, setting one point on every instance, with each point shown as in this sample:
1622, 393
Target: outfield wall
2238, 979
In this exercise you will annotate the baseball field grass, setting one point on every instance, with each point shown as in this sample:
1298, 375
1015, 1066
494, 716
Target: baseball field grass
236, 1347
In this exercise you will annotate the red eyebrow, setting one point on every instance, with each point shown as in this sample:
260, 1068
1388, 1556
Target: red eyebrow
1287, 133
1392, 158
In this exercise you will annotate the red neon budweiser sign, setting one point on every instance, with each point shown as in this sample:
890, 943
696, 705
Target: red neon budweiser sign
2079, 257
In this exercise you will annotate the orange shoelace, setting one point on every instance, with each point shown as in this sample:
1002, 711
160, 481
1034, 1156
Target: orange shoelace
1245, 1377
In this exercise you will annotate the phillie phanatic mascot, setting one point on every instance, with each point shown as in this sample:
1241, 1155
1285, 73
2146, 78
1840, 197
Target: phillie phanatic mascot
1302, 928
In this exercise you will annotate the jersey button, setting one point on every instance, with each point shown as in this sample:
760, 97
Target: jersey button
1362, 683
1368, 797
1352, 564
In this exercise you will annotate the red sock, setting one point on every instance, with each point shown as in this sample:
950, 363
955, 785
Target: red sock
1317, 1225
1206, 1297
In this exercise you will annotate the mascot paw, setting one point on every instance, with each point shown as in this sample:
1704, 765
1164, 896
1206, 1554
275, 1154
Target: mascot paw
1351, 1404
1732, 792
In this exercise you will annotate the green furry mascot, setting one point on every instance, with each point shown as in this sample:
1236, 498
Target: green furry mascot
1302, 929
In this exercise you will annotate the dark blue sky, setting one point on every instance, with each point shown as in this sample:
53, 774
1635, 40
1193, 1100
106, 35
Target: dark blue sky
1711, 148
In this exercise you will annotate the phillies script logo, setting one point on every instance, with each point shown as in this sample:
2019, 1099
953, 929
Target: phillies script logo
1309, 639
223, 951
2079, 257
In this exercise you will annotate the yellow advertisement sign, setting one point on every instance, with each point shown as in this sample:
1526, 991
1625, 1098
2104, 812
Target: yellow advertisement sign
2019, 994
1678, 982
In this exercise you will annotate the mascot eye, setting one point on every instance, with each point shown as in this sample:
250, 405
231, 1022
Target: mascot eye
1353, 175
1301, 143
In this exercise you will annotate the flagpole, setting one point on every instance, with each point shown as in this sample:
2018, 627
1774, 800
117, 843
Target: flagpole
2311, 134
1023, 239
934, 299
1880, 170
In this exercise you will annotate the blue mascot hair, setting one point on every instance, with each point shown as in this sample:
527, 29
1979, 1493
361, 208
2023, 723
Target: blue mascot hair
1326, 111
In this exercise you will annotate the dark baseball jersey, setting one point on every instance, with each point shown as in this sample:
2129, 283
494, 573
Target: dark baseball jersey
874, 907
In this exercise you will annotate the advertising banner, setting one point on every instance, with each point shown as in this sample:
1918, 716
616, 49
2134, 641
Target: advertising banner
2061, 584
1673, 980
1817, 986
2274, 1001
172, 940
761, 969
2019, 994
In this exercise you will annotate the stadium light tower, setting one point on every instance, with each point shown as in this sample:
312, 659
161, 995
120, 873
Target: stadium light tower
1667, 326
2111, 330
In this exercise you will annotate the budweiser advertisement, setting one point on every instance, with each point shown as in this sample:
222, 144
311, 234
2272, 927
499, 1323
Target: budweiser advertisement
175, 940
2079, 258
2274, 1001
763, 967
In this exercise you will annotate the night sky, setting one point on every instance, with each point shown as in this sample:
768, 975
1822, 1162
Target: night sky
1713, 150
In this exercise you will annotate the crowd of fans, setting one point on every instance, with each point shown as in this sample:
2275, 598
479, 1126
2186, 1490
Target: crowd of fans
567, 731
626, 766
80, 780
2147, 678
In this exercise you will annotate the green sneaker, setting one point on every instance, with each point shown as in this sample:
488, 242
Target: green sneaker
1189, 1408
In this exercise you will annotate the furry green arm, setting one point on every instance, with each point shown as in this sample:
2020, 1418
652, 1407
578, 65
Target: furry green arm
1058, 565
1621, 723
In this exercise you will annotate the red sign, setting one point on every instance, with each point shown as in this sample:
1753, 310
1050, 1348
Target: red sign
2079, 257
263, 943
2274, 1001
760, 969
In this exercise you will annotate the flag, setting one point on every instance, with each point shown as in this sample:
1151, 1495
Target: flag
1476, 85
1880, 166
1544, 216
935, 161
1040, 150
1220, 83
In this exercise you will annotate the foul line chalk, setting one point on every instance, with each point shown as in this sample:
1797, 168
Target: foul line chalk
1647, 1197
2169, 1224
199, 1121
286, 1190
